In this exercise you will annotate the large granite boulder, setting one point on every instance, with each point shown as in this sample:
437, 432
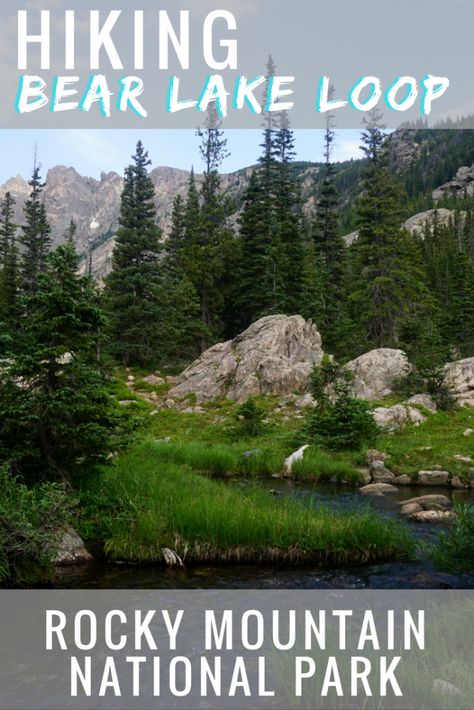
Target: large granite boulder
274, 356
459, 378
376, 372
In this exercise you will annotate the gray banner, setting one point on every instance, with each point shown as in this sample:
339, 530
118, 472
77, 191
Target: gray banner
272, 649
309, 39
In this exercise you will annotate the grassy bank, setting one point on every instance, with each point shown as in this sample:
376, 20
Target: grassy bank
143, 504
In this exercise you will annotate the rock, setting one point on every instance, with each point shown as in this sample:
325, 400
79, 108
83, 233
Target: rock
410, 508
305, 402
170, 403
463, 459
433, 478
379, 489
171, 379
398, 416
423, 400
194, 410
417, 224
70, 548
461, 184
171, 558
458, 484
442, 687
274, 356
376, 372
379, 473
433, 516
164, 440
430, 502
250, 454
374, 455
468, 432
154, 380
131, 378
459, 377
403, 480
127, 402
291, 460
365, 477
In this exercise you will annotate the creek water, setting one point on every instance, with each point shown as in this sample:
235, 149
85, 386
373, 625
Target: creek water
386, 575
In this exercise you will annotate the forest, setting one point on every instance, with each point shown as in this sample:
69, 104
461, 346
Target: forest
67, 345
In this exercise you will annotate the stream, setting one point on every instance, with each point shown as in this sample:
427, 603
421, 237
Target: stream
385, 575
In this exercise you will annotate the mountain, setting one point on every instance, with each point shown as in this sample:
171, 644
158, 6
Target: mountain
434, 166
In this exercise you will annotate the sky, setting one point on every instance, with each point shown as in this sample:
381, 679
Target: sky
92, 151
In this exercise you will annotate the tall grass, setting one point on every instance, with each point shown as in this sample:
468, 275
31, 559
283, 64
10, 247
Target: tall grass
317, 464
208, 520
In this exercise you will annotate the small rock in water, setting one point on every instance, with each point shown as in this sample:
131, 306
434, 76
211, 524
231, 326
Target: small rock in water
431, 502
403, 480
458, 484
70, 549
433, 478
433, 516
274, 492
379, 473
411, 508
379, 489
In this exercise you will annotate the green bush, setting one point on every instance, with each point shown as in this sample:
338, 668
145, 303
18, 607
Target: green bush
251, 416
456, 547
29, 521
339, 421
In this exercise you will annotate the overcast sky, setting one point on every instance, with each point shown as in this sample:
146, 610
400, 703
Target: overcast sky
94, 151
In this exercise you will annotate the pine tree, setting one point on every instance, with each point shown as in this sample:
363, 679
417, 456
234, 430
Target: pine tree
330, 251
175, 244
288, 219
8, 263
134, 290
57, 418
36, 236
389, 294
211, 241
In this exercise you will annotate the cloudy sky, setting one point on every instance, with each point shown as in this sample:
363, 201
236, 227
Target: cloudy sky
94, 151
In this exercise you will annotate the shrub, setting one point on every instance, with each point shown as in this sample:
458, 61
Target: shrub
339, 421
251, 416
29, 520
455, 549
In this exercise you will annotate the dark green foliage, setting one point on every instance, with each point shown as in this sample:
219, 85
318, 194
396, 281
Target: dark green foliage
134, 293
251, 416
388, 290
58, 419
8, 270
454, 551
29, 523
339, 420
35, 238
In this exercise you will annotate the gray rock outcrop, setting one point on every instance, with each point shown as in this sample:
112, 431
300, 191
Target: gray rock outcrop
376, 372
274, 356
70, 548
462, 183
459, 377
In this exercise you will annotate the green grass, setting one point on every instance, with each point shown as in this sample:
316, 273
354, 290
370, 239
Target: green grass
434, 443
321, 466
168, 505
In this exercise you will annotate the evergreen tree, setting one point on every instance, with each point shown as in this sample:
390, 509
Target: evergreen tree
212, 240
134, 292
388, 290
8, 263
288, 219
175, 244
57, 417
36, 236
330, 249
